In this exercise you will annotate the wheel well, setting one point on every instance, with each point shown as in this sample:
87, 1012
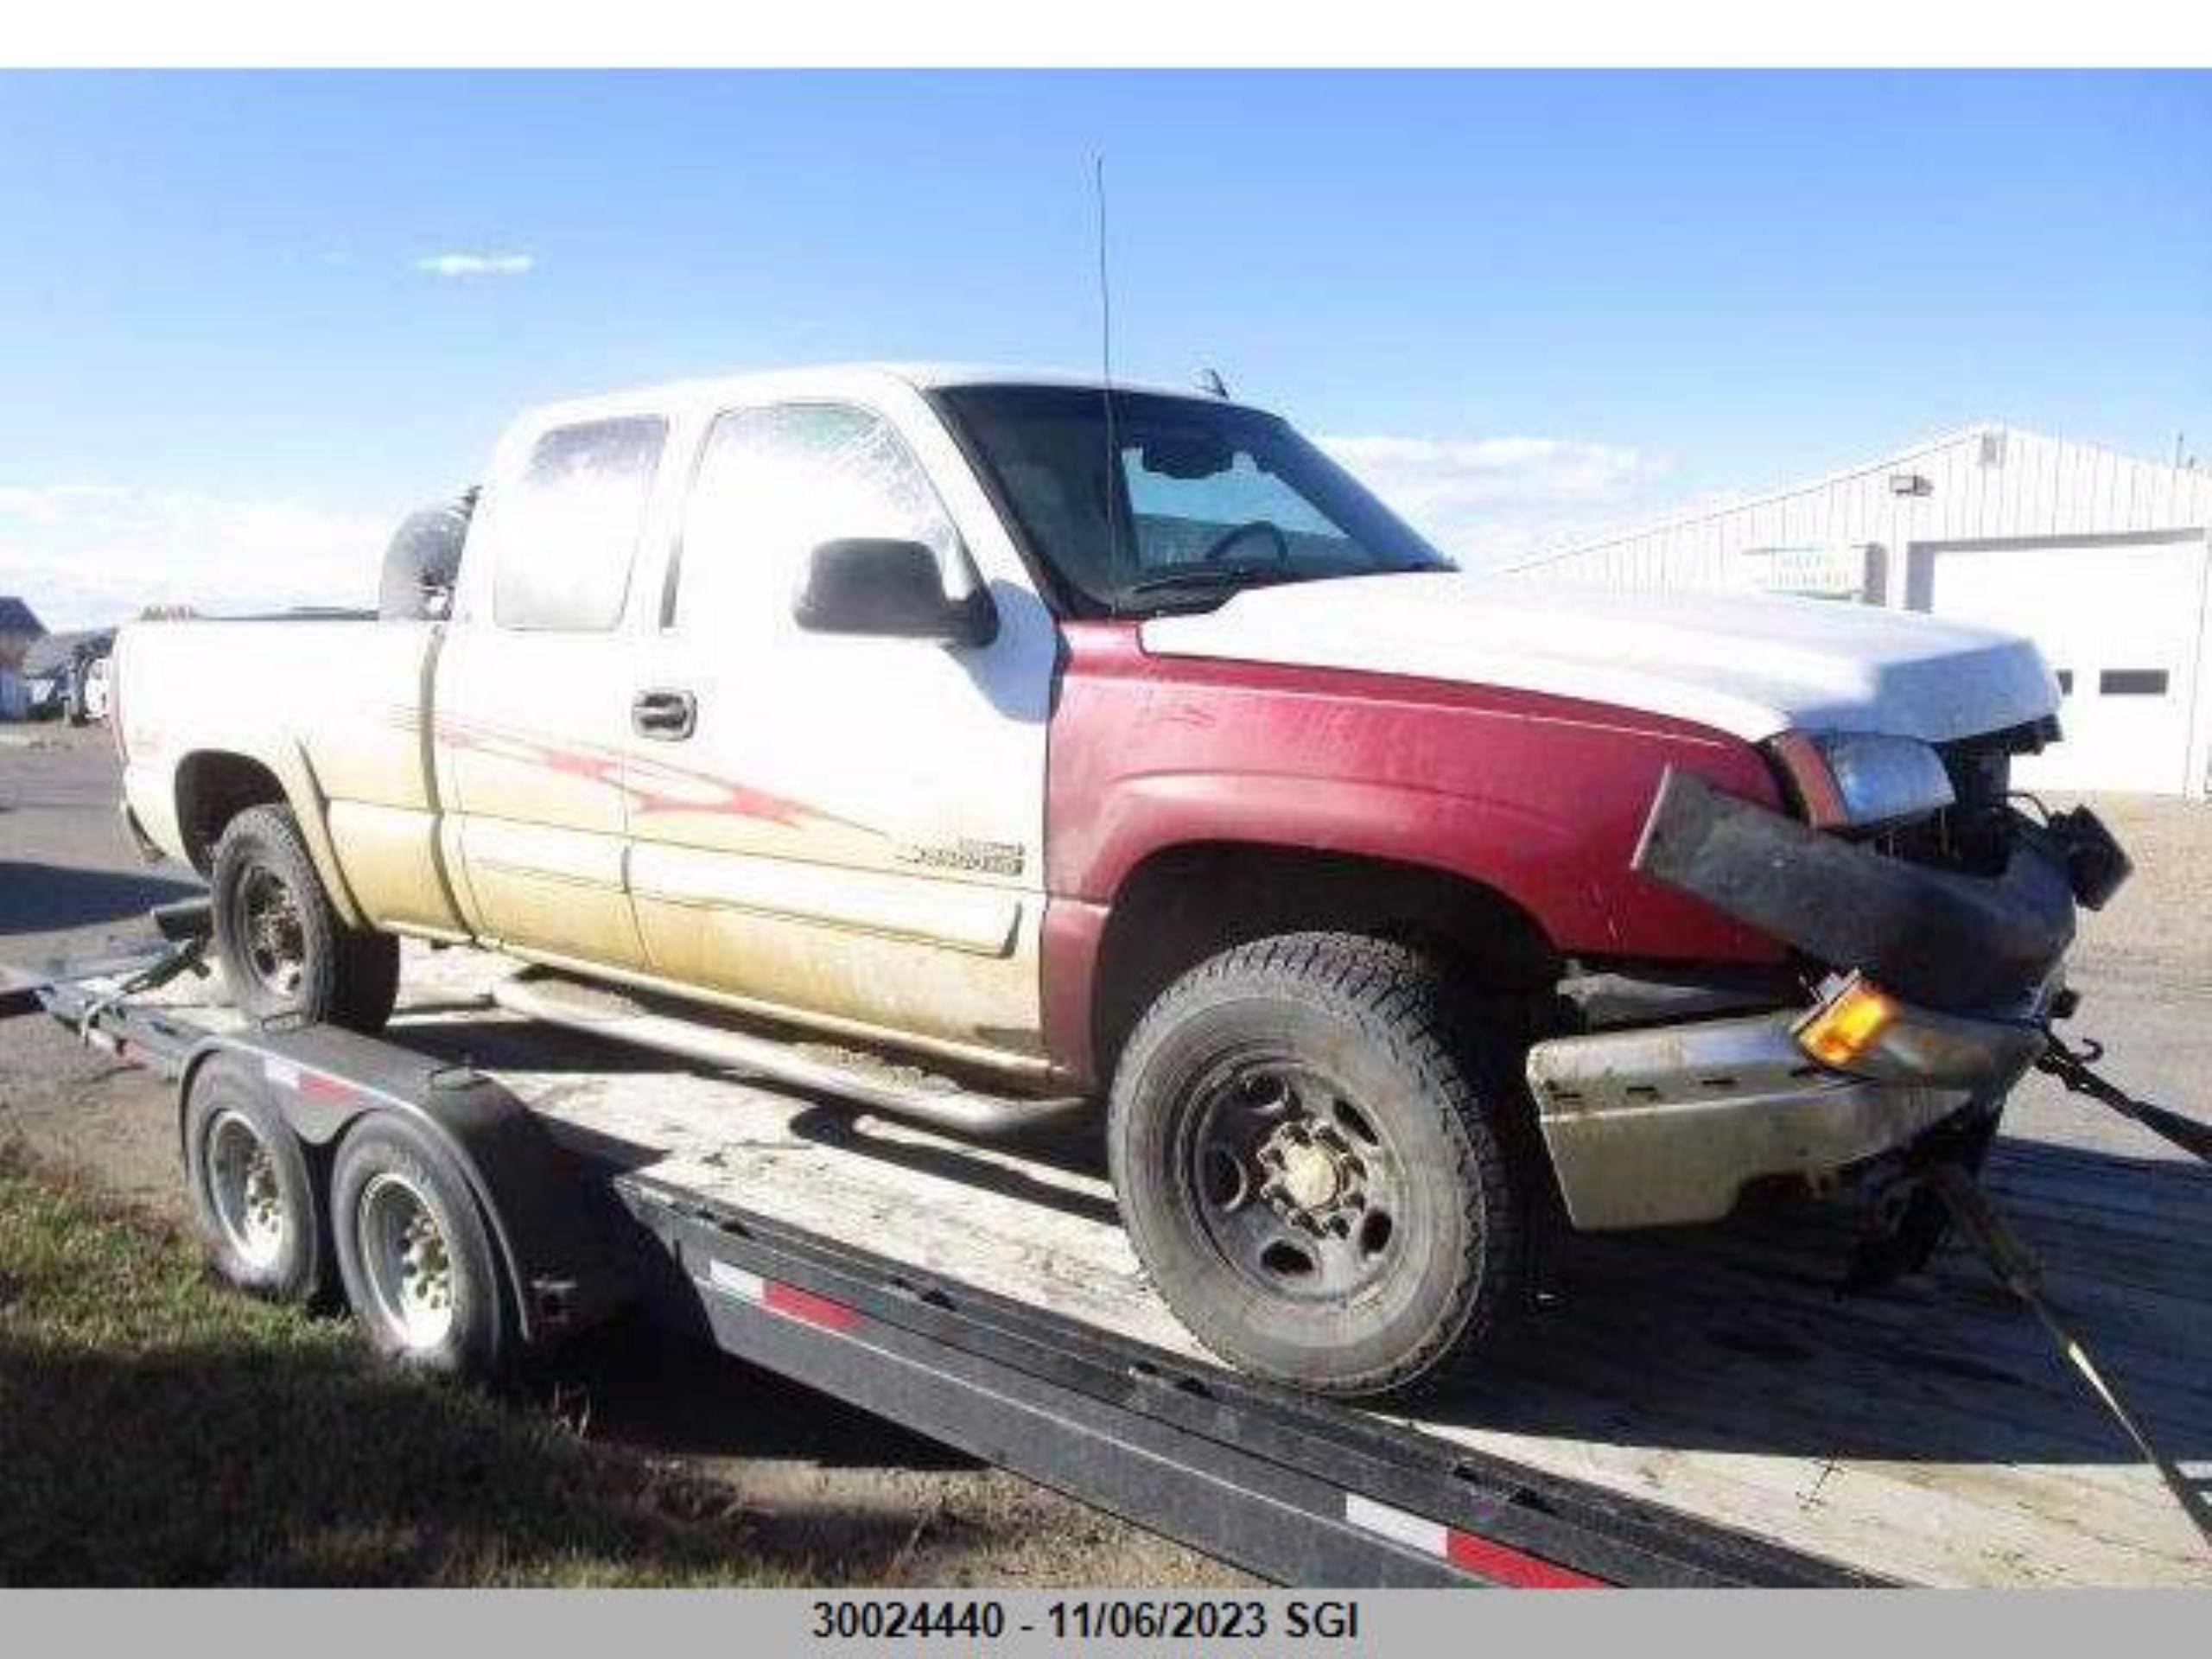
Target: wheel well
1186, 904
211, 789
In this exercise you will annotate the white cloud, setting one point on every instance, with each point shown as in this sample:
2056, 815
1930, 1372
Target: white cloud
1490, 500
84, 554
462, 266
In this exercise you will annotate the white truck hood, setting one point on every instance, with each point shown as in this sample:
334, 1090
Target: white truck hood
1746, 664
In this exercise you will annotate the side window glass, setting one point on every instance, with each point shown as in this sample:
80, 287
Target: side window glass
774, 483
569, 526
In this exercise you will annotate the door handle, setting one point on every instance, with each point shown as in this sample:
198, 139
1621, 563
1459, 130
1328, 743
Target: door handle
671, 716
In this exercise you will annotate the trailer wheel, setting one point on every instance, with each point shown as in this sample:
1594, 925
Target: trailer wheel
284, 950
1314, 1169
415, 1253
254, 1199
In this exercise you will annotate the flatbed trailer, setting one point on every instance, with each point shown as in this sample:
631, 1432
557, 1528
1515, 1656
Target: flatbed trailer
1701, 1408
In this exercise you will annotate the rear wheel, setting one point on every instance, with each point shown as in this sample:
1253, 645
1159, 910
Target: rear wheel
1314, 1169
254, 1199
415, 1255
285, 951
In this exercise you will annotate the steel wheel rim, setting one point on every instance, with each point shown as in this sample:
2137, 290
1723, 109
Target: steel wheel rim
407, 1261
272, 939
242, 1184
1293, 1183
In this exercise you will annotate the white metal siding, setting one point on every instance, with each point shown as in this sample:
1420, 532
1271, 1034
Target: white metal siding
1987, 486
2041, 487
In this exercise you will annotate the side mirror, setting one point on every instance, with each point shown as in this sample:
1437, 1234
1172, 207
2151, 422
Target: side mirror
888, 588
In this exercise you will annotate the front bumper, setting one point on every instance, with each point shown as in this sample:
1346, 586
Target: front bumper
1942, 938
1670, 1123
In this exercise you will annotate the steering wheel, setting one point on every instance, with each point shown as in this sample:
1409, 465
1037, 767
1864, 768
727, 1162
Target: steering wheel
1218, 548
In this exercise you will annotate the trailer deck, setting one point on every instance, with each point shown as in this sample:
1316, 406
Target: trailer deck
1699, 1404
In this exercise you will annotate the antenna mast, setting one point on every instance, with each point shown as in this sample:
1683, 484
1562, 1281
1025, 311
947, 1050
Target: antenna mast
1113, 478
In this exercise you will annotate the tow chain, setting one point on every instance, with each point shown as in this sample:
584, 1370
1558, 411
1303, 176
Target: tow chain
2019, 1271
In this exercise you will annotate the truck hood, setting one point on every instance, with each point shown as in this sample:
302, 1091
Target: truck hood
1749, 665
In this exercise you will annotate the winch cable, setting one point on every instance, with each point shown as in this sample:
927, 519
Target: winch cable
2072, 1068
2019, 1272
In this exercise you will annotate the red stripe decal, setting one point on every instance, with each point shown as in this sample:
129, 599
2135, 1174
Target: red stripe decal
1502, 1564
808, 1308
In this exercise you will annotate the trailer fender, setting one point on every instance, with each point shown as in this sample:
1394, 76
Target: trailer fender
551, 1227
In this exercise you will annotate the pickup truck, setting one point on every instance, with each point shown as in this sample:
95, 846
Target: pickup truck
1004, 746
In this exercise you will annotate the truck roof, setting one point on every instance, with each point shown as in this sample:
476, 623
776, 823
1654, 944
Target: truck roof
847, 379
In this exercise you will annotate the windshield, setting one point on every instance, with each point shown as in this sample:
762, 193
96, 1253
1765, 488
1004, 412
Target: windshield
1202, 498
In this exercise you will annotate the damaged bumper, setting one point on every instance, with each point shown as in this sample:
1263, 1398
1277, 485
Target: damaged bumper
1942, 938
1668, 1124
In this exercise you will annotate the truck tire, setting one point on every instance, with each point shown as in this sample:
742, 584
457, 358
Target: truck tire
414, 1253
255, 1203
1315, 1167
285, 952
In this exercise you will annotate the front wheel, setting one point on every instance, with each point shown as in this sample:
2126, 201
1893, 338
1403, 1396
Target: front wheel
1315, 1167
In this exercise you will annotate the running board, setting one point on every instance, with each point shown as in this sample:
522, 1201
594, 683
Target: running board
852, 1075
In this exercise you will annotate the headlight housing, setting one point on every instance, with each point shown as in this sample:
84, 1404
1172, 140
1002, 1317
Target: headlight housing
1862, 780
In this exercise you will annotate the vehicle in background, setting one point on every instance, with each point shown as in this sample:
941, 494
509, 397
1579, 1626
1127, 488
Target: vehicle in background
986, 747
91, 683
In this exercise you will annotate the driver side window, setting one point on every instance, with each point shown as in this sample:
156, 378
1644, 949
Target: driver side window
776, 482
1178, 520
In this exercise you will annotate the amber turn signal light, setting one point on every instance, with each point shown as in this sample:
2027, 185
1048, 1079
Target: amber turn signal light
1848, 1024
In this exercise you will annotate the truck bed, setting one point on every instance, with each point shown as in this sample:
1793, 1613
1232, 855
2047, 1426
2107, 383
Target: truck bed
1927, 1433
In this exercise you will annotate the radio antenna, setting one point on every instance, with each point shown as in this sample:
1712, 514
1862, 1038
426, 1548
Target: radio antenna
1112, 480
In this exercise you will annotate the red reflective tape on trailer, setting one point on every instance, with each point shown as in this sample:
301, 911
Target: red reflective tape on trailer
321, 1086
1499, 1563
787, 1299
809, 1309
308, 1084
1505, 1565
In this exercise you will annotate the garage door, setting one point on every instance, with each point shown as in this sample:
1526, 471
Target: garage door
2119, 621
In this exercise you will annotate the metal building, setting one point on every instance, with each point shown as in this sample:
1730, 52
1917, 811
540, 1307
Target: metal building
2098, 556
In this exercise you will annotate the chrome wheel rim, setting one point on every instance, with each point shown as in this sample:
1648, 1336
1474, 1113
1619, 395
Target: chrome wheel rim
242, 1183
271, 936
407, 1261
1294, 1184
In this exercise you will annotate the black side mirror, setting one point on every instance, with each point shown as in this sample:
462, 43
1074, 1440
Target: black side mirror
890, 588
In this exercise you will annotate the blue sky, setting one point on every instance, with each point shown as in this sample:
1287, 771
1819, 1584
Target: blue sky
1526, 305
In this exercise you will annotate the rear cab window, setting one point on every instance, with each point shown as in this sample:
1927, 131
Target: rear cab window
569, 526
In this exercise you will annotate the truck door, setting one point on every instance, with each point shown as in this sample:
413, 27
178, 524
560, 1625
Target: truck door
531, 706
842, 828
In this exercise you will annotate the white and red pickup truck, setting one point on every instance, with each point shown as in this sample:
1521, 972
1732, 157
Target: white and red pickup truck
985, 745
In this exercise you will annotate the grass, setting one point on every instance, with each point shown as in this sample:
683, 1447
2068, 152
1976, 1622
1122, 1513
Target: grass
156, 1428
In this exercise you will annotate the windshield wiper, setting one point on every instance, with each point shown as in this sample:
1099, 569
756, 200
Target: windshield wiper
1204, 578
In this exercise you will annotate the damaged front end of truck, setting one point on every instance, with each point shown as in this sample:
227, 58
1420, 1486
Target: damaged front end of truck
1929, 958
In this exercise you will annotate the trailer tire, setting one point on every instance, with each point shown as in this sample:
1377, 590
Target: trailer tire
256, 1203
285, 951
1315, 1165
415, 1255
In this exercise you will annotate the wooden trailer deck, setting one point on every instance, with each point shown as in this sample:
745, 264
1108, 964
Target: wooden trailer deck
1928, 1434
